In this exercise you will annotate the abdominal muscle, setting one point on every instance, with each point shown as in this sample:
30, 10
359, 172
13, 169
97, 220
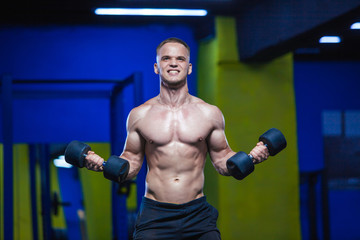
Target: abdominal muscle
175, 180
174, 189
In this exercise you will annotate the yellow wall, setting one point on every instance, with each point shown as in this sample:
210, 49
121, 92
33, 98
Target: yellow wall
253, 98
38, 202
207, 77
22, 203
97, 198
96, 190
57, 221
23, 225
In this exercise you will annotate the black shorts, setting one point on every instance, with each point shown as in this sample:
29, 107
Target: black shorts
193, 220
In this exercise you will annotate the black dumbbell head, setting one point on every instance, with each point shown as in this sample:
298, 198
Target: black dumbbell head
75, 153
240, 165
274, 140
116, 169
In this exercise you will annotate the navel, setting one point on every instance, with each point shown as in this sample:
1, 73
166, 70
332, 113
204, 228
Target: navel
201, 139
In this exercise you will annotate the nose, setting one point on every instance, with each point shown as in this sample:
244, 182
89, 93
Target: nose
173, 63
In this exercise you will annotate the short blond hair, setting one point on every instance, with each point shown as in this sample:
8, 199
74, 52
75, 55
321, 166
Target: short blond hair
175, 40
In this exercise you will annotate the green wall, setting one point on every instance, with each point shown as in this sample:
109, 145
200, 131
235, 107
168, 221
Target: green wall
253, 98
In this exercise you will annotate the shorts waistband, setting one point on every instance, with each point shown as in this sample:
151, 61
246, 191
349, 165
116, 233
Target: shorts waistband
148, 201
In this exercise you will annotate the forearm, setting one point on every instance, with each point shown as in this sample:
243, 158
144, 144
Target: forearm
115, 168
236, 164
220, 163
133, 171
241, 164
135, 162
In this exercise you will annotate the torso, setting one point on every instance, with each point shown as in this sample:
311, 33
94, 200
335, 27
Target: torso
175, 149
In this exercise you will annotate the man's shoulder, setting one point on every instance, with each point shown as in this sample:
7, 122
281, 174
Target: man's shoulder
201, 103
143, 108
210, 110
139, 112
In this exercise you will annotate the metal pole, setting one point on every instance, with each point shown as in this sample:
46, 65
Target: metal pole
138, 88
312, 206
45, 191
117, 133
325, 205
7, 125
33, 192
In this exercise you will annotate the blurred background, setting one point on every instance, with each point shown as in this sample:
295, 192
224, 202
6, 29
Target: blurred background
69, 72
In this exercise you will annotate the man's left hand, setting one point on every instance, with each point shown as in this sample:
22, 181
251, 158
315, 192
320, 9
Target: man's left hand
260, 153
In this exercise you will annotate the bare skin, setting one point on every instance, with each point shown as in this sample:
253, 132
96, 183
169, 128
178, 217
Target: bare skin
175, 131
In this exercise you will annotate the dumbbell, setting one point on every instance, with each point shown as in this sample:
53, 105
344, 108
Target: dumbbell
115, 168
240, 165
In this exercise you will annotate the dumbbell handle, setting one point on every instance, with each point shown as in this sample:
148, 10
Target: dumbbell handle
117, 169
104, 162
252, 157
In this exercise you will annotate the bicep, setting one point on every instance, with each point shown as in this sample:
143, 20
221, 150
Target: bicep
134, 146
218, 146
134, 153
217, 143
219, 151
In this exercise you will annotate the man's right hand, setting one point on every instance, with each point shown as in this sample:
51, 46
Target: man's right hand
94, 162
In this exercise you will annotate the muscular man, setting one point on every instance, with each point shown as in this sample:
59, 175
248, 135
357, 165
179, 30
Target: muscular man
175, 131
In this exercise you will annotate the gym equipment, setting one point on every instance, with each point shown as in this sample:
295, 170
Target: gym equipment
55, 203
115, 168
241, 165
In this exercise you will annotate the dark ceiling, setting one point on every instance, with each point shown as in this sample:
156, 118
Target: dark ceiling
271, 27
82, 11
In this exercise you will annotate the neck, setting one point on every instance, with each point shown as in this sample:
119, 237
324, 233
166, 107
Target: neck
174, 97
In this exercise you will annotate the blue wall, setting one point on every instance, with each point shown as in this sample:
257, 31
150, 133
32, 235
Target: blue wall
80, 52
319, 86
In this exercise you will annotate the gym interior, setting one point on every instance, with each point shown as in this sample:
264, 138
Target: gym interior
68, 74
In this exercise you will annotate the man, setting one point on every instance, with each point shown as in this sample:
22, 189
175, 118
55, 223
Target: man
175, 131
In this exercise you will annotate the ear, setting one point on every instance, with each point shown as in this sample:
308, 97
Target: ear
156, 69
190, 69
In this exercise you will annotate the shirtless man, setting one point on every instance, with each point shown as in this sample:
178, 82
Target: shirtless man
175, 131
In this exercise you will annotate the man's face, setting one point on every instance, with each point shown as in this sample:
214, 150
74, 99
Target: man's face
172, 64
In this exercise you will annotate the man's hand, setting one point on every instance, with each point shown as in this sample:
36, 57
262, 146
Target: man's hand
260, 153
94, 162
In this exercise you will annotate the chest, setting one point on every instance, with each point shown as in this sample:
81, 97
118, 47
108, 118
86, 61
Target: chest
164, 126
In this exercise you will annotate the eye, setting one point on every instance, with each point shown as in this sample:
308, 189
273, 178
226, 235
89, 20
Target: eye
181, 59
165, 58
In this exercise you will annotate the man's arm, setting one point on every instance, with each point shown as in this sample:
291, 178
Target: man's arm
218, 146
134, 145
133, 150
220, 150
